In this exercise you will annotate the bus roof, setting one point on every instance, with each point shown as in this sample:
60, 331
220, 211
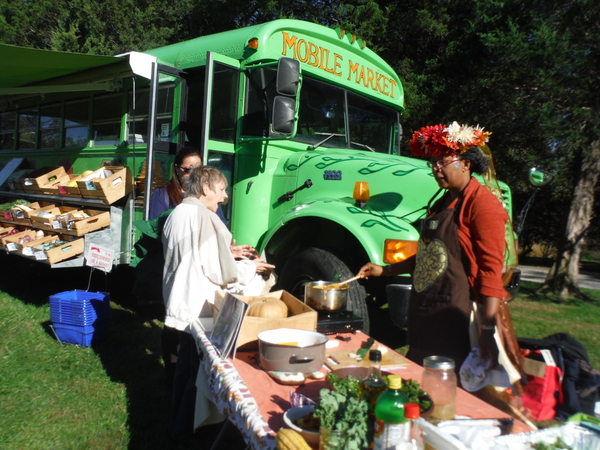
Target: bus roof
325, 53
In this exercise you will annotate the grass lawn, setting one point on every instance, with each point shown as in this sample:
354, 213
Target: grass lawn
53, 396
111, 395
537, 316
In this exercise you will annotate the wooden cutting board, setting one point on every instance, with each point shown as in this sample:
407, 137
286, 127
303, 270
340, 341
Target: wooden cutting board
388, 360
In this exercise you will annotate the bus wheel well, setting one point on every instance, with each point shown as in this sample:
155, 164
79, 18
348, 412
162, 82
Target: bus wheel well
315, 264
307, 232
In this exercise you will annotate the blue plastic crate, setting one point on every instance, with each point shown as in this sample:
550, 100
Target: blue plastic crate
84, 336
81, 308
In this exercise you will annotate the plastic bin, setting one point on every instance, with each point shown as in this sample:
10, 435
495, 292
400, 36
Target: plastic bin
84, 336
79, 308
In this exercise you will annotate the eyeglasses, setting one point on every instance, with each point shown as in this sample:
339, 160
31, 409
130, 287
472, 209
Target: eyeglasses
441, 163
185, 169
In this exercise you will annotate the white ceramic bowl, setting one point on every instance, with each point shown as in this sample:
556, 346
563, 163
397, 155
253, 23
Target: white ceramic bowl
311, 437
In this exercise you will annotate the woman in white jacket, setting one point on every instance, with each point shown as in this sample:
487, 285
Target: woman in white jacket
198, 262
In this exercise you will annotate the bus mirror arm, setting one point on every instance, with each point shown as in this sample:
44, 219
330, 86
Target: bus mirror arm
289, 195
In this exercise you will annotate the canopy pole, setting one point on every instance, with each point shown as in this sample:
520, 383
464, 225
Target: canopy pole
151, 133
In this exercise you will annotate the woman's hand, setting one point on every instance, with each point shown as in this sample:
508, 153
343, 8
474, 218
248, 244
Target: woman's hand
242, 251
489, 347
370, 270
262, 266
488, 310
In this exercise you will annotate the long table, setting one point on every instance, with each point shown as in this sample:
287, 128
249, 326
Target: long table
255, 403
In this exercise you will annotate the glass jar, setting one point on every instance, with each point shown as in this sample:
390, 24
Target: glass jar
332, 439
439, 381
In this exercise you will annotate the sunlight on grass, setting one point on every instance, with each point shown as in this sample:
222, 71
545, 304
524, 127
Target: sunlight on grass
537, 316
111, 395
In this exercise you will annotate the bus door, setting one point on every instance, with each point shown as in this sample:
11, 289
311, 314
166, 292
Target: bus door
165, 101
221, 111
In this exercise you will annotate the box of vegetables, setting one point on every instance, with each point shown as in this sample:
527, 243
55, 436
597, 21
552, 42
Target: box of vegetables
57, 248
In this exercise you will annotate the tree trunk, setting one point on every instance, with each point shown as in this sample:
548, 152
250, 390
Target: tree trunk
562, 279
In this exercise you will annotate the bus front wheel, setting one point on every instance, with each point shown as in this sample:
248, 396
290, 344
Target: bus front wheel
314, 264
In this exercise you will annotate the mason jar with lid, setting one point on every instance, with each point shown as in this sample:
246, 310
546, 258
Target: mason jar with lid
439, 381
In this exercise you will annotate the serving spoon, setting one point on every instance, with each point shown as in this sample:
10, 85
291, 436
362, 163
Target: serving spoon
341, 283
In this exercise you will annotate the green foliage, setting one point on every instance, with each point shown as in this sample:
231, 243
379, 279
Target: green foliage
527, 71
344, 412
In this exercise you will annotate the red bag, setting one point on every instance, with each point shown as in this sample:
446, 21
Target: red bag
543, 391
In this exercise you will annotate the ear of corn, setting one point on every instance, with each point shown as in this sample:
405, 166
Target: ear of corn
290, 440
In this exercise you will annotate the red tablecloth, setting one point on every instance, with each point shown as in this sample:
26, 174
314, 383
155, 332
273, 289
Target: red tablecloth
273, 398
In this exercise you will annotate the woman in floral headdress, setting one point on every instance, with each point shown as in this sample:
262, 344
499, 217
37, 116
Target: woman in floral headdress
460, 258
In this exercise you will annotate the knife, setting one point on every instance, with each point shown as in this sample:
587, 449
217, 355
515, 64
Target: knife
362, 352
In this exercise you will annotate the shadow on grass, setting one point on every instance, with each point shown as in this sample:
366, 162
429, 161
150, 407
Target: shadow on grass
131, 355
530, 291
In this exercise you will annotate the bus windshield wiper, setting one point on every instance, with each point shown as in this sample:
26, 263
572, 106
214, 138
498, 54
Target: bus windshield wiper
365, 146
329, 136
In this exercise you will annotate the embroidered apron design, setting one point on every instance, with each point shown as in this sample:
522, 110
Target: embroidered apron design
432, 262
440, 305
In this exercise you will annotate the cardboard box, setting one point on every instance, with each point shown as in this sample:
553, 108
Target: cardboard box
10, 242
96, 221
109, 184
54, 255
6, 230
24, 216
26, 248
35, 181
50, 223
300, 317
66, 187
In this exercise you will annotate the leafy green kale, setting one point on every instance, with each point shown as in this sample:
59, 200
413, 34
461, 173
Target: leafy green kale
412, 389
344, 412
345, 386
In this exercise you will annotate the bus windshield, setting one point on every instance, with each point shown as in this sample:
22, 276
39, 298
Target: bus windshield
345, 119
329, 116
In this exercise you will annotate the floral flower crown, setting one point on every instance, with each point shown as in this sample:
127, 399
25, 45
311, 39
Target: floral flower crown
446, 140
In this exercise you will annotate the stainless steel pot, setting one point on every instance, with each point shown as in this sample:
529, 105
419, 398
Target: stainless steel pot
318, 296
290, 350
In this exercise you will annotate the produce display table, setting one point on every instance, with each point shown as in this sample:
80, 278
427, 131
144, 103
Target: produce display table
255, 403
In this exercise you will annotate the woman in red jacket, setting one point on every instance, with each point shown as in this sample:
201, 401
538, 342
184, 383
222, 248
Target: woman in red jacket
460, 257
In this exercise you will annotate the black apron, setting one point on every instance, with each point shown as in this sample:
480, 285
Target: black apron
440, 306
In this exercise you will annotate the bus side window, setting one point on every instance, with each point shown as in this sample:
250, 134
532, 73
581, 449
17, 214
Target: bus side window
260, 92
224, 103
195, 106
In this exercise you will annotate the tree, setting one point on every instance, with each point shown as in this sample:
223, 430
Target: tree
527, 71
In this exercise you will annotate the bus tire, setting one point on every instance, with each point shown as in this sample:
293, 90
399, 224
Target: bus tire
314, 264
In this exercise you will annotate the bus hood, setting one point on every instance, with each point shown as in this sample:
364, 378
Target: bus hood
400, 187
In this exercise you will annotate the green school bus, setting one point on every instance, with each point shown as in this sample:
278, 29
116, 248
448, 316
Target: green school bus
303, 120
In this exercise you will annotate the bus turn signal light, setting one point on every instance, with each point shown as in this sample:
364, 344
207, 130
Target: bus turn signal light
395, 250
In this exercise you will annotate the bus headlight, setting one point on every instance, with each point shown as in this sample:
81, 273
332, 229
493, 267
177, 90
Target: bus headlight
395, 250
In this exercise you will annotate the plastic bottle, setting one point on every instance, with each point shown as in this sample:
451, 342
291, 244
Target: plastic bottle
414, 440
390, 423
373, 384
439, 381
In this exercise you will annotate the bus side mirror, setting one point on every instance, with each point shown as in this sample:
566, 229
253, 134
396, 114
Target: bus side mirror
539, 178
288, 76
284, 115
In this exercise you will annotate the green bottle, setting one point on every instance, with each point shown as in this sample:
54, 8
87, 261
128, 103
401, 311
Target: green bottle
391, 427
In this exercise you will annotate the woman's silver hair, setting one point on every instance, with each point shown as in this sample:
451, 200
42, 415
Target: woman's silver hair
199, 176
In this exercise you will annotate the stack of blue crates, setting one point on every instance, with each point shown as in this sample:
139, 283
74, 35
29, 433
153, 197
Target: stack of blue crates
80, 317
